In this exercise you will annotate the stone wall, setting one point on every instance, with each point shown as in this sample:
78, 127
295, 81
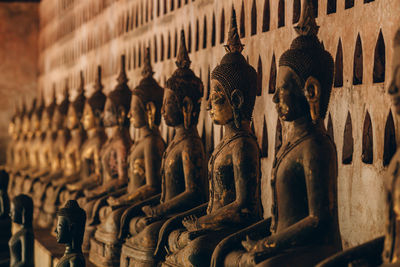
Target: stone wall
19, 29
79, 35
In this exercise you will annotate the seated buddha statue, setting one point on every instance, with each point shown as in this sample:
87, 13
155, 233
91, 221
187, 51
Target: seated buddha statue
90, 163
182, 167
233, 168
72, 154
304, 226
71, 221
35, 146
21, 243
114, 175
25, 150
56, 159
144, 162
384, 250
18, 147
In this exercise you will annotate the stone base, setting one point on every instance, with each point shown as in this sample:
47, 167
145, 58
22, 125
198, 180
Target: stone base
136, 257
47, 251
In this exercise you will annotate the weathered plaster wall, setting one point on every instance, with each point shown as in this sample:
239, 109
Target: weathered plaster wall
19, 28
97, 32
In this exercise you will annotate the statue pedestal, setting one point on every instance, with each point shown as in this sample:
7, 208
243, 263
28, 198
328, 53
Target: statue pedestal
48, 251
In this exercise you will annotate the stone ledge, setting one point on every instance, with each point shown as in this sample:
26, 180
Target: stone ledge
47, 251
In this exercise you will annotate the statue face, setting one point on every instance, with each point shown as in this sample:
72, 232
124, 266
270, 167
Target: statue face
25, 124
35, 123
394, 88
15, 214
63, 230
290, 101
218, 105
58, 120
137, 114
88, 119
72, 119
110, 114
45, 122
11, 128
171, 111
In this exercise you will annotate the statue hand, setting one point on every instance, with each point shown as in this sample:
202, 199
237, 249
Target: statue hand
190, 223
112, 201
151, 211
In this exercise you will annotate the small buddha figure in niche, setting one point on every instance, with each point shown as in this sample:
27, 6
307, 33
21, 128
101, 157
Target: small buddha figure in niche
383, 250
21, 243
304, 227
144, 163
114, 176
26, 150
56, 158
72, 154
90, 169
233, 169
35, 146
182, 168
71, 221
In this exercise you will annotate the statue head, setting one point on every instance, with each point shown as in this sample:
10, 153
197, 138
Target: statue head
26, 122
37, 115
48, 112
75, 109
60, 112
147, 99
118, 101
183, 93
71, 221
21, 210
233, 84
305, 74
13, 127
94, 106
394, 87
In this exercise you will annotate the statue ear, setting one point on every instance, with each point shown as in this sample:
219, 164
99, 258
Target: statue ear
312, 91
151, 113
121, 114
187, 108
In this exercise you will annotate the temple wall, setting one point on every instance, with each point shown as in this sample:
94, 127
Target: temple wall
19, 31
79, 35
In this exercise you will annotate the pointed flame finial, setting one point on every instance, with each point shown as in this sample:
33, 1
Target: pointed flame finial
122, 78
307, 24
233, 44
54, 97
66, 89
183, 60
98, 86
81, 88
147, 68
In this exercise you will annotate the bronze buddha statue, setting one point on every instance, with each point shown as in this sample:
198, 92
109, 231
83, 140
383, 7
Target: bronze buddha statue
36, 144
56, 159
21, 243
114, 175
90, 166
25, 150
304, 227
72, 153
182, 167
144, 163
70, 228
233, 168
383, 250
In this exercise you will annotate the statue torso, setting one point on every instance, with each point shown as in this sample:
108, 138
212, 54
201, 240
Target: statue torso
58, 150
72, 153
15, 245
90, 151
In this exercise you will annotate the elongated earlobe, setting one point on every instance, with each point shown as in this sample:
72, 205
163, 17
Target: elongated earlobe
151, 113
187, 109
237, 103
312, 93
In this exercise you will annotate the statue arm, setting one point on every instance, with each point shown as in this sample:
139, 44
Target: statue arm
193, 171
245, 163
24, 252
